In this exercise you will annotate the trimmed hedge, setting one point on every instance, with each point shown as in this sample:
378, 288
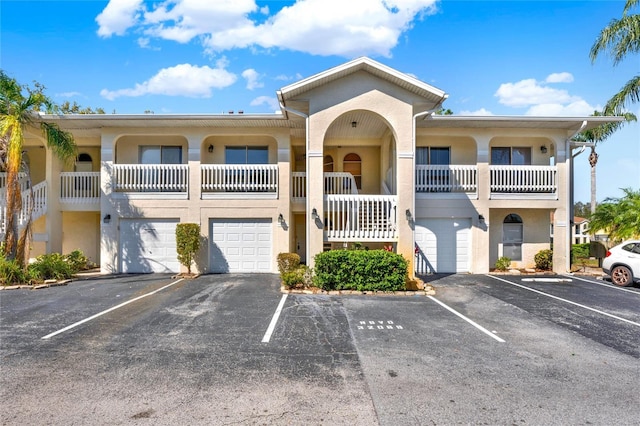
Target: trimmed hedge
544, 260
363, 270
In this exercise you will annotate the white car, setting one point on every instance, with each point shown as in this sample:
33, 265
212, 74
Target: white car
622, 263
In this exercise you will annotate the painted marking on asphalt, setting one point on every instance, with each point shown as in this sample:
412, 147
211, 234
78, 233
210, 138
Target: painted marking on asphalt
274, 320
69, 327
378, 325
547, 280
568, 301
476, 325
613, 286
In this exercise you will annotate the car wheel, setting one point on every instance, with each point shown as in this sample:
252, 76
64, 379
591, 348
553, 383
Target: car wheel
621, 275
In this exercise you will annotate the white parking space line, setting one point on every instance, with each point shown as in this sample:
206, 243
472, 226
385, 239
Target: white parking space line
274, 320
69, 327
476, 325
567, 301
612, 286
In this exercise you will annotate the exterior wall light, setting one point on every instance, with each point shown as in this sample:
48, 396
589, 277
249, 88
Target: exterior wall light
210, 149
543, 149
354, 124
481, 218
280, 219
314, 214
106, 218
408, 214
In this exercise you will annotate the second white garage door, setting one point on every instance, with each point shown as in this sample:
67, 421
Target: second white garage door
240, 245
444, 245
148, 245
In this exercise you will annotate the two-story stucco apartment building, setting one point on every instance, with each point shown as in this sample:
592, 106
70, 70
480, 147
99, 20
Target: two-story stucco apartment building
356, 155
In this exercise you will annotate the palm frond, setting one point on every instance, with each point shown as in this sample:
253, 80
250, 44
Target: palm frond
630, 93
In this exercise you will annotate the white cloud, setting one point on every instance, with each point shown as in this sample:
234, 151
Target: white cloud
271, 102
181, 80
530, 92
543, 100
252, 78
480, 112
560, 77
68, 94
322, 27
118, 16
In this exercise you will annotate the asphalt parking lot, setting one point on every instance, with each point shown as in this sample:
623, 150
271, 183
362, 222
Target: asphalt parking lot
231, 349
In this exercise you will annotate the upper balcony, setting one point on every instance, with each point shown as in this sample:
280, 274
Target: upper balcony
523, 182
231, 180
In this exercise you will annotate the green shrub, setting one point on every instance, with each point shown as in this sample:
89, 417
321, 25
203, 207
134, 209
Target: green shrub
50, 267
288, 262
544, 260
503, 263
580, 251
77, 261
187, 243
11, 272
364, 270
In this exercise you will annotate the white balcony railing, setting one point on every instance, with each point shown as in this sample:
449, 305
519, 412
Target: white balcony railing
523, 179
334, 183
150, 177
79, 187
34, 201
447, 178
22, 179
239, 178
361, 217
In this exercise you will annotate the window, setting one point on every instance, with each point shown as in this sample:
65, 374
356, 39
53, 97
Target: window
352, 164
517, 156
433, 155
246, 155
160, 155
512, 237
632, 247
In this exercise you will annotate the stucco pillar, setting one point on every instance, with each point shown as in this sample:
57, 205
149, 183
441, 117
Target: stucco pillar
481, 261
108, 213
283, 232
54, 214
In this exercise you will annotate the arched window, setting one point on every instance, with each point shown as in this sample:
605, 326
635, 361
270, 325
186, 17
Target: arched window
512, 237
352, 164
328, 164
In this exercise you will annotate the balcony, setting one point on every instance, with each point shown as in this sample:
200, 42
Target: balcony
360, 217
447, 179
78, 188
239, 180
334, 183
536, 182
151, 180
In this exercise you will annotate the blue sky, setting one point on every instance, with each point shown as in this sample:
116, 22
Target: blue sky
208, 56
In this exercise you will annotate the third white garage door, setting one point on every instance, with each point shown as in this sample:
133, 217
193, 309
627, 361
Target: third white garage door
240, 245
444, 245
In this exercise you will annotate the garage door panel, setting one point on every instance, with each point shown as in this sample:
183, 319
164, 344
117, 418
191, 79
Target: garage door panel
240, 245
148, 245
444, 245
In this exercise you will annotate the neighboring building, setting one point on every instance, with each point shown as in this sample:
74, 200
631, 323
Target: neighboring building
357, 155
580, 232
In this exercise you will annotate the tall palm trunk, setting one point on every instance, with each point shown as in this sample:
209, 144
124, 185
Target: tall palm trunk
14, 195
593, 160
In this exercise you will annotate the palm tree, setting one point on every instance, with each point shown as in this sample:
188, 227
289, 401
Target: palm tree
597, 135
620, 217
19, 106
620, 38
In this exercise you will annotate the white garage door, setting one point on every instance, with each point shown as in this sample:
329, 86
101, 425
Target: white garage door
148, 245
444, 245
240, 245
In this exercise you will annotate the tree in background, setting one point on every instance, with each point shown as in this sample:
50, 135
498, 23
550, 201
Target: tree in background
619, 217
621, 38
581, 209
598, 135
19, 107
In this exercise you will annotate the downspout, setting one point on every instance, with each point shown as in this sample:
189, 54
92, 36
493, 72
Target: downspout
413, 172
569, 217
306, 181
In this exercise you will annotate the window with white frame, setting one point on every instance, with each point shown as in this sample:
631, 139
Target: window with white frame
246, 155
156, 154
434, 155
515, 156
